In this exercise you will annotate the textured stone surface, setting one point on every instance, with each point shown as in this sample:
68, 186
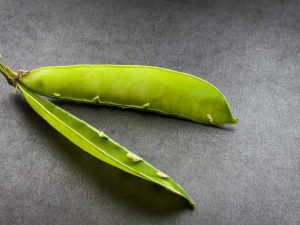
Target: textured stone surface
246, 174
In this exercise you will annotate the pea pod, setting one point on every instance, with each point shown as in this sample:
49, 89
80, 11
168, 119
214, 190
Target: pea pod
128, 86
140, 87
99, 144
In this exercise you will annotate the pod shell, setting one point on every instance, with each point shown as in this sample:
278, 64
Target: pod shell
98, 144
128, 86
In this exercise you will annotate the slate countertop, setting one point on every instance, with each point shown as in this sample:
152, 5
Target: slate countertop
243, 174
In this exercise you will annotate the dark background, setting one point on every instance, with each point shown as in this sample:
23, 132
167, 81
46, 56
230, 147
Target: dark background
244, 174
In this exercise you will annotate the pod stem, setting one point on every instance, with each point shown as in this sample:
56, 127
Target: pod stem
8, 73
11, 76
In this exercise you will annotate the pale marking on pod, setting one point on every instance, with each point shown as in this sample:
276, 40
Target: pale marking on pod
96, 99
162, 175
102, 135
56, 94
146, 106
133, 157
210, 119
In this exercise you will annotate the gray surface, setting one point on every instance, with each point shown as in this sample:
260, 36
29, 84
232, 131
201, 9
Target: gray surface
246, 174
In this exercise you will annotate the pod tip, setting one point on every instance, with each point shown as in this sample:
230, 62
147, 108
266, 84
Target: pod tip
235, 120
193, 205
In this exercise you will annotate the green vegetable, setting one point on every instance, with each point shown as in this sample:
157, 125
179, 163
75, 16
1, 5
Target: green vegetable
140, 87
99, 144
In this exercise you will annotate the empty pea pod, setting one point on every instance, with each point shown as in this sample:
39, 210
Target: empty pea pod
129, 86
140, 87
98, 144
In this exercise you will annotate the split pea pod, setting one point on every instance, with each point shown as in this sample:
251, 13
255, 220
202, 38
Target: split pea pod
130, 86
140, 87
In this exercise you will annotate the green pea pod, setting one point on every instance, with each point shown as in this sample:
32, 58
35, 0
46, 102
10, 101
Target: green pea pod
98, 144
129, 86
